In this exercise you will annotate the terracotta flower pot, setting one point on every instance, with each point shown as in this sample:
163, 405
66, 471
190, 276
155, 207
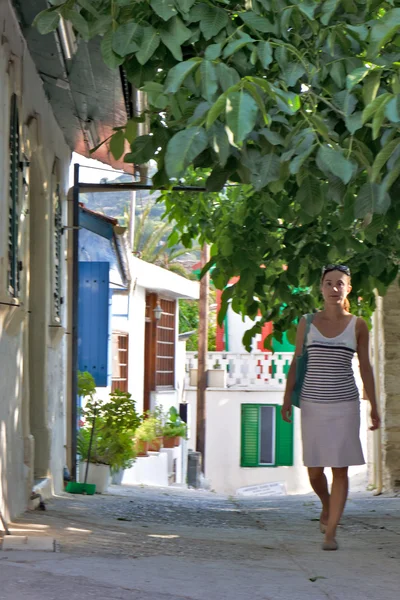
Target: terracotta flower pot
177, 440
142, 448
169, 442
156, 444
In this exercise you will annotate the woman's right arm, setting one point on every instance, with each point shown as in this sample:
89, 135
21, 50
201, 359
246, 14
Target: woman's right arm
286, 410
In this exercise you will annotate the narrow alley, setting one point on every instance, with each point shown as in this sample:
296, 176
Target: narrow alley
169, 544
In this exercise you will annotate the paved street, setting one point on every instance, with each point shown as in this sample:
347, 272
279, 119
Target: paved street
171, 544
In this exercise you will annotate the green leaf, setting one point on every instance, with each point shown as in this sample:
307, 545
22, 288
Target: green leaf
220, 143
335, 163
131, 130
310, 196
287, 102
292, 73
142, 150
227, 76
241, 114
183, 148
258, 23
148, 45
360, 31
328, 9
371, 87
273, 137
87, 5
299, 160
370, 110
177, 75
111, 59
383, 157
346, 102
267, 170
354, 122
212, 20
236, 45
307, 7
372, 198
185, 5
384, 29
176, 34
155, 94
393, 175
164, 8
264, 51
117, 144
47, 21
78, 22
392, 109
253, 90
217, 108
209, 80
336, 190
377, 121
213, 51
338, 74
217, 179
356, 76
126, 38
100, 26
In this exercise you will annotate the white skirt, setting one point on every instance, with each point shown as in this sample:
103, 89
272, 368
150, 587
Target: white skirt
331, 434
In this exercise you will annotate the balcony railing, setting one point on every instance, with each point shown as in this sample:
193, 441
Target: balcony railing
256, 370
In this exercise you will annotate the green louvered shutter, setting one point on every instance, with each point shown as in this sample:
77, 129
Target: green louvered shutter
284, 441
250, 435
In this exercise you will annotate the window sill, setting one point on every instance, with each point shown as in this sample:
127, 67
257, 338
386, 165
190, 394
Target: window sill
12, 316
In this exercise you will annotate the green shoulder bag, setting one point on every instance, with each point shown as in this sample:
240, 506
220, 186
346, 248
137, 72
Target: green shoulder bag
301, 365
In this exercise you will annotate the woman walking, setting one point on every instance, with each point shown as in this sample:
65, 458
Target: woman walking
330, 407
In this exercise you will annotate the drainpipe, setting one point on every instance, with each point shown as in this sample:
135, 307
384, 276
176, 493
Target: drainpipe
378, 433
73, 252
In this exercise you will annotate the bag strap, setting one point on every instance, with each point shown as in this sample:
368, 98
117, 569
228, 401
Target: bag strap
309, 319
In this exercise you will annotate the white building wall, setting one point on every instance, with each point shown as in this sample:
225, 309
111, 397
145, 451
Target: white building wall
42, 143
223, 440
136, 326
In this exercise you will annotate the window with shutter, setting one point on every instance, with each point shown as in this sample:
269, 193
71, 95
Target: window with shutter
165, 352
57, 254
266, 440
120, 345
14, 169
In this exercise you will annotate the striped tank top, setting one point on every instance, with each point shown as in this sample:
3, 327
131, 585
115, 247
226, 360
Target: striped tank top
330, 375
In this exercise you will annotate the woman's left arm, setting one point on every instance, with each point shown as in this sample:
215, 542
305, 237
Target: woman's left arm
367, 375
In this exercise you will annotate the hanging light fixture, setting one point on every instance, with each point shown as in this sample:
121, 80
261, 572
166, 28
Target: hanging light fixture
158, 311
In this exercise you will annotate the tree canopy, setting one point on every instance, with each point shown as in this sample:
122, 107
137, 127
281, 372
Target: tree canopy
292, 107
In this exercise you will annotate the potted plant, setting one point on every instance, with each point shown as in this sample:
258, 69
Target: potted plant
115, 422
156, 443
145, 434
174, 428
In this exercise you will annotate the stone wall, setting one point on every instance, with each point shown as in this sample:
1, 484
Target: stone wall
389, 384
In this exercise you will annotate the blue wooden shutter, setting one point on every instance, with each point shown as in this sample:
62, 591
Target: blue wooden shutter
94, 320
284, 441
14, 148
250, 436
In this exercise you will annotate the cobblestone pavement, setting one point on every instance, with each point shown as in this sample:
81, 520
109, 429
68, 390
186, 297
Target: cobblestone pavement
167, 544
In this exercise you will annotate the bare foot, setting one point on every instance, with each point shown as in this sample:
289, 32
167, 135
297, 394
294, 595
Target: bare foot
323, 520
330, 544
